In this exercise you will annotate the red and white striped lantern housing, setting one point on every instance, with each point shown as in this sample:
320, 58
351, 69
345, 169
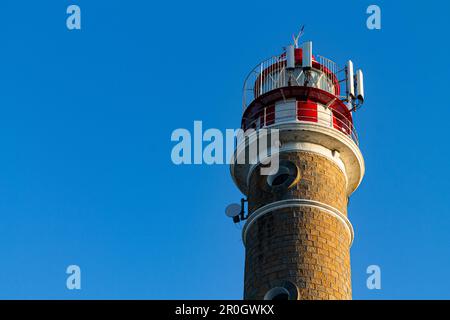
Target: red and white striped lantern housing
299, 87
311, 101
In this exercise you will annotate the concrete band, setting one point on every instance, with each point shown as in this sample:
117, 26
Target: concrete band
329, 138
307, 147
297, 203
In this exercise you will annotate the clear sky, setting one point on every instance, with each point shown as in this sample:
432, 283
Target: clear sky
86, 117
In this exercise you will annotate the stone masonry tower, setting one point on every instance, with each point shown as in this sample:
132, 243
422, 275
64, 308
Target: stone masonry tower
297, 234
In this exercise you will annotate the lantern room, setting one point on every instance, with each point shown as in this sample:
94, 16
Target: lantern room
298, 86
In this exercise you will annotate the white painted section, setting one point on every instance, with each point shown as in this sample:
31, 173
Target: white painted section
290, 57
307, 55
286, 111
324, 116
360, 85
293, 146
308, 132
350, 75
292, 203
331, 155
258, 122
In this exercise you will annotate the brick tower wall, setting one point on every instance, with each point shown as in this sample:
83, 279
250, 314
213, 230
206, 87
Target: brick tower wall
304, 245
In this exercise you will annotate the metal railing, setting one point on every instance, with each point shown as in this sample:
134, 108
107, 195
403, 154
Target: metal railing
272, 74
267, 117
327, 66
266, 76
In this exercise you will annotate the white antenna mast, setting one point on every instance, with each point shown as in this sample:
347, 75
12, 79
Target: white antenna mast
296, 38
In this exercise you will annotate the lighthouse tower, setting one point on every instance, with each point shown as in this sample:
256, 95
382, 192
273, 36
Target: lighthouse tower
297, 234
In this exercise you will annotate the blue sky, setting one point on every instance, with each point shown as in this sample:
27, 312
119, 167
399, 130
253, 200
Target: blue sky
86, 117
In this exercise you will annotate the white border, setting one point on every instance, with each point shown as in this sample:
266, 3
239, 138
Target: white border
306, 147
297, 203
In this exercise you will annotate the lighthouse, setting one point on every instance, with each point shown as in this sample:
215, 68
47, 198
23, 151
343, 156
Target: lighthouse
296, 228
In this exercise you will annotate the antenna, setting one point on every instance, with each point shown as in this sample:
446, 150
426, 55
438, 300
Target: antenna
233, 210
296, 38
350, 83
360, 85
290, 57
236, 211
307, 55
